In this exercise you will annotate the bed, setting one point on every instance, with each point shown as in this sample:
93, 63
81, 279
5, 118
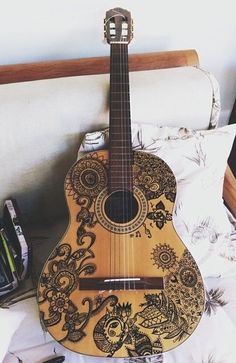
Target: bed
49, 116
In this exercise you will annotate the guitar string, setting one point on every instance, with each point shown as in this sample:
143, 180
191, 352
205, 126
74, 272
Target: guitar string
122, 147
127, 146
130, 168
109, 155
113, 130
124, 120
114, 169
116, 79
131, 181
126, 176
125, 256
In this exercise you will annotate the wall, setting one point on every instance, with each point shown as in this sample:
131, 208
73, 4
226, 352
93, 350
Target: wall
57, 29
44, 123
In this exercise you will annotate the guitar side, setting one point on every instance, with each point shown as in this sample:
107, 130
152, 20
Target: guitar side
120, 289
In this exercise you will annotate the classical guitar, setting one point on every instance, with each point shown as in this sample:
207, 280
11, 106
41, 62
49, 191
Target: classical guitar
120, 283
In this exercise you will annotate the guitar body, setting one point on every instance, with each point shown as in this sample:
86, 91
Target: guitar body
118, 287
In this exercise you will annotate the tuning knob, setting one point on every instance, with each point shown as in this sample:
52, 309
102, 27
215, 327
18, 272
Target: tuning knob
105, 29
132, 28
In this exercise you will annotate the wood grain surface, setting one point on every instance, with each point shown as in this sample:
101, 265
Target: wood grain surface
96, 65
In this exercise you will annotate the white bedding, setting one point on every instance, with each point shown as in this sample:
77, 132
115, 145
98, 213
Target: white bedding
212, 243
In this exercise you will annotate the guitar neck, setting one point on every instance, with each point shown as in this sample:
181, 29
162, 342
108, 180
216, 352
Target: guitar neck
120, 147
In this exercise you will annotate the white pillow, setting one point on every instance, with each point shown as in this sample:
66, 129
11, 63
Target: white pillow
9, 323
198, 160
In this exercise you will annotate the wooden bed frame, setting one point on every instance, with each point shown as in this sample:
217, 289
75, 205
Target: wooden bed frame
98, 65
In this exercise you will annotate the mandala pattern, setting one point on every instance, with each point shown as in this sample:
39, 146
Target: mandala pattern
188, 276
88, 177
164, 256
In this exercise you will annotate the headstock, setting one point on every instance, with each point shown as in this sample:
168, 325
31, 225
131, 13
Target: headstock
118, 26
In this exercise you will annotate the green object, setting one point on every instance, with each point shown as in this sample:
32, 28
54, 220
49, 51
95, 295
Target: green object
8, 253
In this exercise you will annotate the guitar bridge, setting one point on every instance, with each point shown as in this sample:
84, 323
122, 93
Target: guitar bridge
123, 283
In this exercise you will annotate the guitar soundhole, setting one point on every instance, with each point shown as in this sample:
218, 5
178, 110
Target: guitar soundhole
121, 207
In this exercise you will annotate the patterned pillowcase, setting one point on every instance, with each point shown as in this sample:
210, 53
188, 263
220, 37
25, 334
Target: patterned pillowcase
198, 160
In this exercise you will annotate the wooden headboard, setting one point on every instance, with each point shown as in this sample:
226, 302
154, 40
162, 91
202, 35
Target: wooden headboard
98, 65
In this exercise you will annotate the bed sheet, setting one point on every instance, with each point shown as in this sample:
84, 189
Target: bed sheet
212, 342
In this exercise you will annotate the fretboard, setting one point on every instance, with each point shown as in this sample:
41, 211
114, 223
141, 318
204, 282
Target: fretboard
120, 145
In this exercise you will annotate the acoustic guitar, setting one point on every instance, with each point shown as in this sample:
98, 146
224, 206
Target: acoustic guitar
120, 283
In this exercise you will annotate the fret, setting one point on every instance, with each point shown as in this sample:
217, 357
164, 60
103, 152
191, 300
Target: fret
116, 56
119, 97
120, 163
122, 146
123, 101
125, 173
117, 74
117, 168
120, 155
113, 110
119, 109
121, 117
120, 83
121, 158
117, 156
122, 143
121, 112
119, 103
119, 92
118, 125
117, 147
122, 126
114, 140
115, 134
121, 185
125, 157
121, 178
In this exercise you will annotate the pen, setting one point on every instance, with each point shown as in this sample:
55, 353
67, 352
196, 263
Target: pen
55, 360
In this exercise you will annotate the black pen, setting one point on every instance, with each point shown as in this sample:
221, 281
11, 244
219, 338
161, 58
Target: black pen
55, 360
